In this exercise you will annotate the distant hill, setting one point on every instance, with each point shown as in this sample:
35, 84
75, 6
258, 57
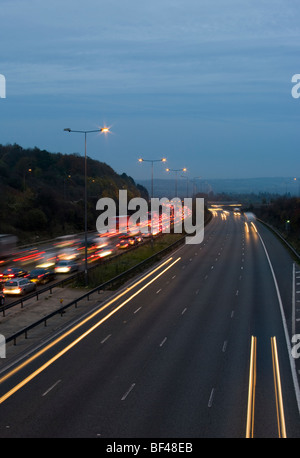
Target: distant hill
276, 186
42, 193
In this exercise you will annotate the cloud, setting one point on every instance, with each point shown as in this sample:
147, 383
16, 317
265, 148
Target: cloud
155, 66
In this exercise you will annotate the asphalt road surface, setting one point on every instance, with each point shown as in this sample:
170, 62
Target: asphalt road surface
197, 347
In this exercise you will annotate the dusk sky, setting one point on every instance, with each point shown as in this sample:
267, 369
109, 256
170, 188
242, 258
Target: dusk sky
205, 84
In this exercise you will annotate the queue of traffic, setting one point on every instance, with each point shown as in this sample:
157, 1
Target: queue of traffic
30, 268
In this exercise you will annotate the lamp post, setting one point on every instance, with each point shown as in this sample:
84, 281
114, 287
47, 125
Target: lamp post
176, 171
194, 185
152, 161
85, 132
187, 185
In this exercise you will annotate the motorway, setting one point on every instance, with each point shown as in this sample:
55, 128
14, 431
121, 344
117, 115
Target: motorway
196, 347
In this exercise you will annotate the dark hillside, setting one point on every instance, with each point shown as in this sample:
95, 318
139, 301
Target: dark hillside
42, 193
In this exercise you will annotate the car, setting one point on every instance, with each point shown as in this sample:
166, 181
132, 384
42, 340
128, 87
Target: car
123, 243
139, 238
19, 286
48, 261
40, 276
12, 272
66, 267
105, 251
2, 298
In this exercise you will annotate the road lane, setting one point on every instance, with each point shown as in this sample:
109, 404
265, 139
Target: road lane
175, 361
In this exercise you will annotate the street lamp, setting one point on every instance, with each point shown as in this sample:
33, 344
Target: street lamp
152, 160
176, 171
194, 185
85, 132
187, 184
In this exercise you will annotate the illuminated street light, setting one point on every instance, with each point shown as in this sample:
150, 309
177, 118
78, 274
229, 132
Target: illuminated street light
152, 160
176, 171
85, 132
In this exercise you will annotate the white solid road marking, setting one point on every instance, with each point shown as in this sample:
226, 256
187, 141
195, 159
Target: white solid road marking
292, 362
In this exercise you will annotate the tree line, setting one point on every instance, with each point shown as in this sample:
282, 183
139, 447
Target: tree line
283, 213
42, 193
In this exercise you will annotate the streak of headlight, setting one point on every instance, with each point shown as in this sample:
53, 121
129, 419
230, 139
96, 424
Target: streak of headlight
278, 390
36, 355
251, 390
253, 225
76, 341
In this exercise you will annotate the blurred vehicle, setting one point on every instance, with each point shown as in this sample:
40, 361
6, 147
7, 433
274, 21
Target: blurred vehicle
19, 286
48, 260
12, 272
127, 241
40, 276
28, 256
66, 267
2, 298
66, 241
139, 238
105, 251
132, 240
8, 244
123, 243
68, 254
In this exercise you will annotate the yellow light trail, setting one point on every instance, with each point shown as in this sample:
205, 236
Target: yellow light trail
43, 350
251, 390
76, 341
252, 387
278, 391
253, 225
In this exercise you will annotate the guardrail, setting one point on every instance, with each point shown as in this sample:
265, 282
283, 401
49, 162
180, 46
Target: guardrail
38, 292
118, 278
276, 232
